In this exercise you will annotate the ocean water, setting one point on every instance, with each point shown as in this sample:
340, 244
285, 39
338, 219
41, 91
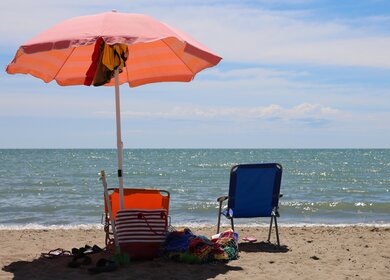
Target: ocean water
60, 187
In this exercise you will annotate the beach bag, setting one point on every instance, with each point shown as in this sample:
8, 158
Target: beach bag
141, 232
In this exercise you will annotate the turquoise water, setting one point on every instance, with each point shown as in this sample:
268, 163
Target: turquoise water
61, 187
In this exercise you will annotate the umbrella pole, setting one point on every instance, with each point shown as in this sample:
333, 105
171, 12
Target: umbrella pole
119, 143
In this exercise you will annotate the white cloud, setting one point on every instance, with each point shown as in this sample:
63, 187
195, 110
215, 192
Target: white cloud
235, 31
301, 111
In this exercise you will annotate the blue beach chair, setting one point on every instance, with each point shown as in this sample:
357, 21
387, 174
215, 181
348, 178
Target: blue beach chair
254, 191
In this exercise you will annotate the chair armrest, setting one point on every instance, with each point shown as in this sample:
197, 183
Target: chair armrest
222, 198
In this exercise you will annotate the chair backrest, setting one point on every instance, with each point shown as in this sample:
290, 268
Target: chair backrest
254, 189
139, 199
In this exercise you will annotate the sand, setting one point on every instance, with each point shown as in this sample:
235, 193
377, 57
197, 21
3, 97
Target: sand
353, 252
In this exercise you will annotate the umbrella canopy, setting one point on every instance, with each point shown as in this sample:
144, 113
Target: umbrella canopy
149, 51
156, 51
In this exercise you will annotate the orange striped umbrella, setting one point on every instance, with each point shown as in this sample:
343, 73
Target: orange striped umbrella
73, 53
157, 52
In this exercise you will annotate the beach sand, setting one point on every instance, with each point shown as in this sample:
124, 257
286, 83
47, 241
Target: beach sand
353, 252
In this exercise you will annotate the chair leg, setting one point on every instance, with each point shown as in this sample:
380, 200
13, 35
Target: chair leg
219, 221
270, 229
219, 216
277, 231
231, 221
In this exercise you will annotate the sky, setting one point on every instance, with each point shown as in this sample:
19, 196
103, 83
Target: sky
294, 74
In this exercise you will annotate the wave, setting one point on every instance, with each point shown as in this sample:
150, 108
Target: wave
50, 227
190, 225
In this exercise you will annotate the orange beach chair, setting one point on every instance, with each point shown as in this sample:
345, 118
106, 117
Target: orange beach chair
149, 199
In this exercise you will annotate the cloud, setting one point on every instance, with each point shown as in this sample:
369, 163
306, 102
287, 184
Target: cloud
264, 36
271, 112
238, 31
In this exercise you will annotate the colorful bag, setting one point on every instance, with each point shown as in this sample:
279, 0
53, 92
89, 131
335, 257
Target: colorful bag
141, 232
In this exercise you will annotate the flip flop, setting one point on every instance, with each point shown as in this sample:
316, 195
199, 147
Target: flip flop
80, 260
249, 239
96, 249
103, 265
86, 250
59, 252
79, 251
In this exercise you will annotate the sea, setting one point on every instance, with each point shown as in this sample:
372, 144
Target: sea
60, 188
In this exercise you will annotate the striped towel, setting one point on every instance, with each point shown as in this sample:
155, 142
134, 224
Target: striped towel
141, 225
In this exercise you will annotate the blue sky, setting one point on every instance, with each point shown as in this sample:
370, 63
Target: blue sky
294, 74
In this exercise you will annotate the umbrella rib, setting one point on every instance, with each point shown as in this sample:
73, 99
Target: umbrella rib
73, 49
178, 56
128, 72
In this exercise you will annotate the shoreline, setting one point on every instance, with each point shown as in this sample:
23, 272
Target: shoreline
350, 252
190, 225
